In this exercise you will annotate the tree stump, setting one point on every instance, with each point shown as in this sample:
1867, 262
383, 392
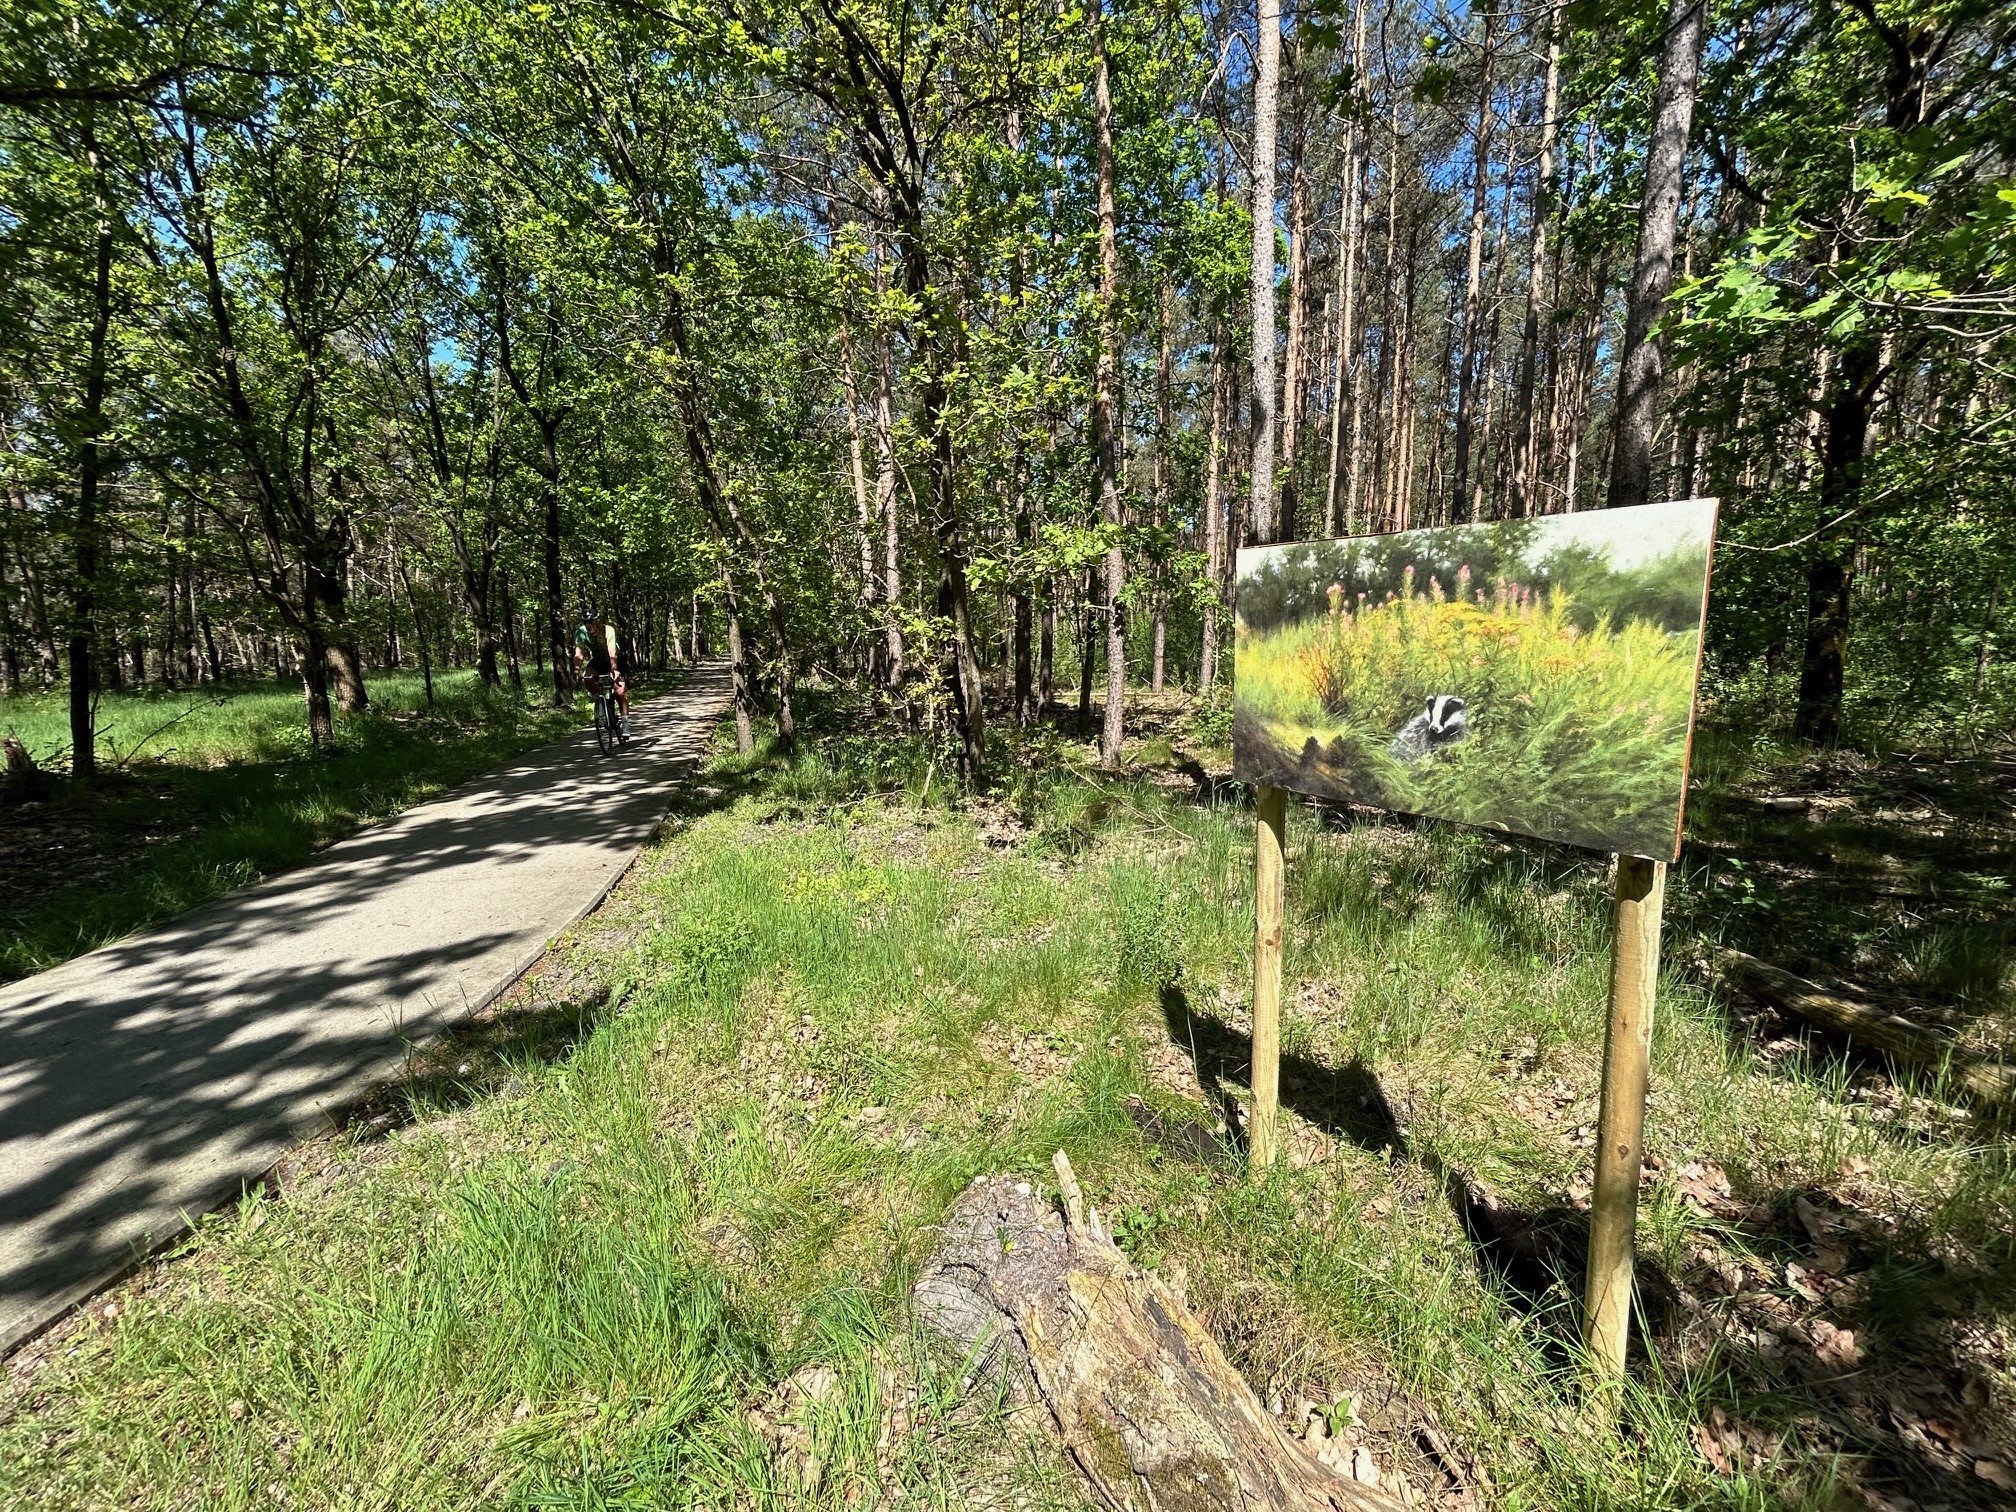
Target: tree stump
20, 779
1140, 1395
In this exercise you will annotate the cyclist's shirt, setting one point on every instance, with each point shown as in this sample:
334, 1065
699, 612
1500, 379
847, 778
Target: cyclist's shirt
597, 642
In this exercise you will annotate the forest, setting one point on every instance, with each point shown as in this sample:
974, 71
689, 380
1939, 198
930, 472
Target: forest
933, 352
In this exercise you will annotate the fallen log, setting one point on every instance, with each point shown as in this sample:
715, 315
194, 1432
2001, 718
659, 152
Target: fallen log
1138, 1392
1908, 1044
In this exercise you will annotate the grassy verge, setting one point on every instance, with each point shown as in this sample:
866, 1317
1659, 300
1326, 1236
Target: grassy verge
226, 790
647, 1237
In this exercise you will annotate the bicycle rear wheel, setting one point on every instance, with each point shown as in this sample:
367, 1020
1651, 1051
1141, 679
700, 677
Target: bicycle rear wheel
605, 725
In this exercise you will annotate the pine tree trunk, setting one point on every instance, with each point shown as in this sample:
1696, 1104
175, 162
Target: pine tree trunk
1641, 363
1088, 610
1388, 436
90, 476
1289, 523
1262, 522
1026, 711
1473, 286
857, 471
884, 425
1214, 508
1526, 437
1105, 386
1350, 231
1830, 577
1046, 653
1403, 389
1165, 435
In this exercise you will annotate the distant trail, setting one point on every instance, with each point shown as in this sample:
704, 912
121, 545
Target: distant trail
149, 1080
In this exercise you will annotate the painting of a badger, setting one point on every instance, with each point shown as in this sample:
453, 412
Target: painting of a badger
1530, 676
1442, 723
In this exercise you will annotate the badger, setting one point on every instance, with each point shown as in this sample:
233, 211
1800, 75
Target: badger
1442, 723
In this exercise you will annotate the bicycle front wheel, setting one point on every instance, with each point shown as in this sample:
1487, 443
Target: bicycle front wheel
605, 726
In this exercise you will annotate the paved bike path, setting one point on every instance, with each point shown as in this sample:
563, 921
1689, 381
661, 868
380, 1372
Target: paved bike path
151, 1079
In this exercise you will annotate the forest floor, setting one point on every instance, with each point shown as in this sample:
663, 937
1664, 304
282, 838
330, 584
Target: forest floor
643, 1233
203, 790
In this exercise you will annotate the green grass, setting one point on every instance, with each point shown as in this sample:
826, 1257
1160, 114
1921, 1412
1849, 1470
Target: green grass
1575, 732
706, 1149
227, 792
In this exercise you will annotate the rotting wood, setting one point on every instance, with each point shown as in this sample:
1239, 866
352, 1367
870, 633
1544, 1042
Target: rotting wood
1141, 1396
1908, 1044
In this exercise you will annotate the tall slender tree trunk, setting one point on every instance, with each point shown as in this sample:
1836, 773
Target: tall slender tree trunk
1026, 709
1404, 407
1293, 387
1387, 442
313, 655
857, 471
192, 667
549, 544
1830, 577
1046, 654
1484, 463
10, 646
1214, 508
1262, 521
420, 625
718, 501
1165, 435
885, 499
1350, 231
1023, 650
1526, 466
1984, 652
1105, 386
1641, 363
49, 663
738, 668
90, 477
511, 635
1473, 286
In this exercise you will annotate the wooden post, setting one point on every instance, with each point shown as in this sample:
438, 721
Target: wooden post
1620, 1147
1269, 906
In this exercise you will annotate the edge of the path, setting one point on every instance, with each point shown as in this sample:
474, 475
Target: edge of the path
361, 1085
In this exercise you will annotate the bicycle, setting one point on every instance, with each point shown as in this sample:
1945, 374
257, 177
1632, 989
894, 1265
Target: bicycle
609, 725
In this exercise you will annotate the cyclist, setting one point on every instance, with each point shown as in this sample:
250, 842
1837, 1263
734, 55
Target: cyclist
595, 659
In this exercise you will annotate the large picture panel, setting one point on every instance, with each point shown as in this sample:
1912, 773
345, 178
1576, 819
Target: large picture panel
1532, 676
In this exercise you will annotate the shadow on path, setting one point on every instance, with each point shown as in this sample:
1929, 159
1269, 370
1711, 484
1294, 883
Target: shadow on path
148, 1080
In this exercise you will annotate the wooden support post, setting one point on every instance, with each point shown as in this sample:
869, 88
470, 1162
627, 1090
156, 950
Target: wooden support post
1620, 1141
1270, 893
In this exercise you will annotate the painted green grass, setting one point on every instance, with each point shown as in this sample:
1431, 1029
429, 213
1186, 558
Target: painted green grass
229, 792
820, 1009
1576, 733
